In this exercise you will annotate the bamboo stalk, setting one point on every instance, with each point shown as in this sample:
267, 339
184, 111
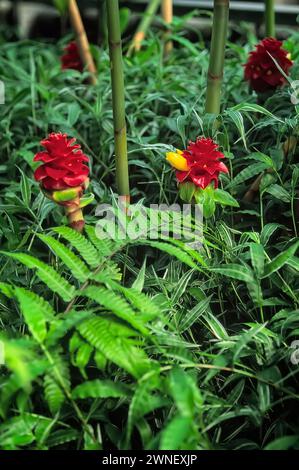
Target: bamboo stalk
82, 41
118, 97
216, 66
167, 15
144, 25
270, 18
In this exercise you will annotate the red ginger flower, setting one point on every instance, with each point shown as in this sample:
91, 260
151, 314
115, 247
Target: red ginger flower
71, 59
261, 71
199, 163
63, 164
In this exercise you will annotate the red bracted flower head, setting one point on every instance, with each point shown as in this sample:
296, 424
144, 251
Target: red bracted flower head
71, 59
63, 164
199, 163
261, 71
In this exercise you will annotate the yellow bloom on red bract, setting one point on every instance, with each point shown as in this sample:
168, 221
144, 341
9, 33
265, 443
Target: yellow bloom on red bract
177, 160
199, 163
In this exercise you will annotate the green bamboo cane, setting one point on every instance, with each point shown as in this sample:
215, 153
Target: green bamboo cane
118, 97
216, 66
270, 18
144, 25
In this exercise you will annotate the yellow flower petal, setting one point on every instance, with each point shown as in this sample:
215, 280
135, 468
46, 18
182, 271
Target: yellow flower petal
177, 160
289, 56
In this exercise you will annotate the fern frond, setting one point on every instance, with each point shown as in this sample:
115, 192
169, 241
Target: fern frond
104, 247
110, 271
112, 339
172, 250
77, 267
116, 304
36, 312
46, 274
100, 389
82, 245
64, 324
147, 307
54, 393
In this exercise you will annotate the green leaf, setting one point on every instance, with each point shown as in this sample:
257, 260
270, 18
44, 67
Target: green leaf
182, 389
64, 195
280, 260
116, 304
142, 403
62, 436
249, 172
191, 316
82, 245
284, 443
53, 386
172, 251
225, 198
86, 200
257, 258
268, 231
148, 308
61, 5
138, 284
77, 267
238, 120
236, 271
47, 274
186, 191
279, 192
100, 389
205, 197
113, 340
7, 290
176, 432
36, 312
254, 108
25, 189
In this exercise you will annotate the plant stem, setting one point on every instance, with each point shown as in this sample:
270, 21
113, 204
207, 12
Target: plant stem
118, 98
216, 66
270, 18
75, 215
167, 14
144, 25
82, 41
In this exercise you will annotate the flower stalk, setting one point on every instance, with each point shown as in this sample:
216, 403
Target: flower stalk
217, 53
118, 98
82, 41
270, 18
74, 215
167, 15
144, 25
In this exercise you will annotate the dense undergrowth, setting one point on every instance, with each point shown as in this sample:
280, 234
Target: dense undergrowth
148, 344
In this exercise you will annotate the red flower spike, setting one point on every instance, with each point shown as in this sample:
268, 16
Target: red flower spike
71, 59
63, 164
260, 69
202, 159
